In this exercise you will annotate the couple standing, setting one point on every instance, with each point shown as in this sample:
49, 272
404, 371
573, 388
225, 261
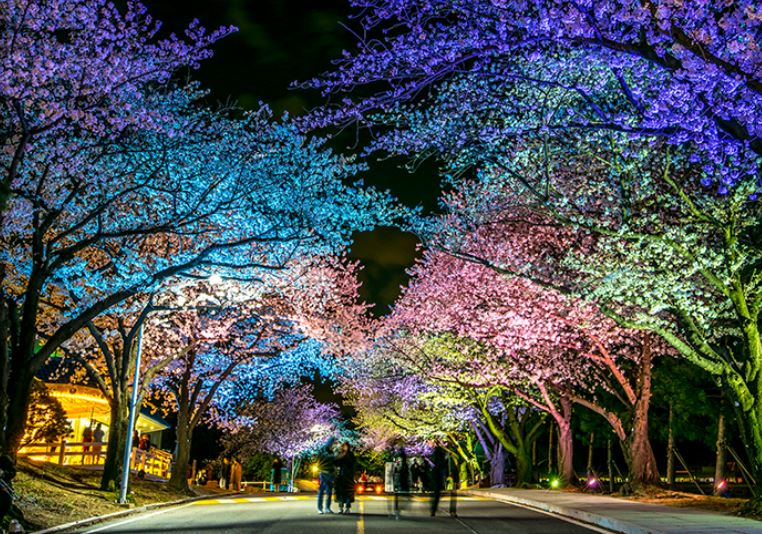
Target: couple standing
337, 474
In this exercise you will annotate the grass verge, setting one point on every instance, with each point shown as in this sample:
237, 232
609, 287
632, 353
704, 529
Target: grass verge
51, 494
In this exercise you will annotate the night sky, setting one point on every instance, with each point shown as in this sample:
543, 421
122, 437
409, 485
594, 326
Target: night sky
279, 42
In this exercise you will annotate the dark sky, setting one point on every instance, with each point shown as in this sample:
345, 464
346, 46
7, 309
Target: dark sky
278, 42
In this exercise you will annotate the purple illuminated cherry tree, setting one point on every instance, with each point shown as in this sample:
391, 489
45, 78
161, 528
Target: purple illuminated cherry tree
291, 425
82, 66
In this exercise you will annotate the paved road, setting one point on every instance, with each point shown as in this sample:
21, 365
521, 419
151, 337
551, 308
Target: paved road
298, 514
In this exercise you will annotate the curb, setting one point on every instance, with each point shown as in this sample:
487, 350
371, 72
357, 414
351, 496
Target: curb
113, 515
608, 523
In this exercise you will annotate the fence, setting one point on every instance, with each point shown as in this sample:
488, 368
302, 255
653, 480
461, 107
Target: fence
154, 462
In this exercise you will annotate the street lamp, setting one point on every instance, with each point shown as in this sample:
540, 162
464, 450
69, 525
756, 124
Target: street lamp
131, 424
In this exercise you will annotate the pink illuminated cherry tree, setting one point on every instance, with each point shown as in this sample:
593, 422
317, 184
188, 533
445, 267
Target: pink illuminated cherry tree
546, 348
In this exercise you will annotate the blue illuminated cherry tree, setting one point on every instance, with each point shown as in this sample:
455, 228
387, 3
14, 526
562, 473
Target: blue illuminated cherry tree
252, 344
122, 215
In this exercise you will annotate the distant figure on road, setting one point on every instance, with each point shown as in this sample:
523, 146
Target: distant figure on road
326, 465
225, 473
276, 474
401, 478
345, 478
236, 474
416, 475
98, 435
438, 475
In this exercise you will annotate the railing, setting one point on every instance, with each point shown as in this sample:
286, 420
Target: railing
155, 462
265, 485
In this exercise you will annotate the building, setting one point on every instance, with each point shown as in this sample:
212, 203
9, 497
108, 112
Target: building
84, 406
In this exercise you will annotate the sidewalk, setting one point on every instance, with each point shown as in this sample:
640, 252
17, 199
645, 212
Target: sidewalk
620, 515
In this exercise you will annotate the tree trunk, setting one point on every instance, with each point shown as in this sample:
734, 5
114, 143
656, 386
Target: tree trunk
524, 467
179, 476
748, 420
589, 468
5, 333
670, 449
719, 463
637, 449
566, 473
550, 449
515, 437
610, 464
22, 354
497, 466
19, 388
638, 453
117, 441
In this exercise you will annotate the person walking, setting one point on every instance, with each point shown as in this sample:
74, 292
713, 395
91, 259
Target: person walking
87, 439
345, 478
236, 474
98, 436
416, 475
225, 473
438, 473
327, 466
276, 475
401, 478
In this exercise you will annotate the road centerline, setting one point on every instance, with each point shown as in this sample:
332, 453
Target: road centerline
361, 518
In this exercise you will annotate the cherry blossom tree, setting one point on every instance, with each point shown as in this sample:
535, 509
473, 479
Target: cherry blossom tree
120, 180
543, 347
199, 335
634, 123
80, 66
91, 248
179, 328
397, 398
292, 425
106, 353
216, 354
256, 340
686, 72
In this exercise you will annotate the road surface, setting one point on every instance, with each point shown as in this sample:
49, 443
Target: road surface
294, 514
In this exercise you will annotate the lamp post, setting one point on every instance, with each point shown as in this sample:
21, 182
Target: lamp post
131, 424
